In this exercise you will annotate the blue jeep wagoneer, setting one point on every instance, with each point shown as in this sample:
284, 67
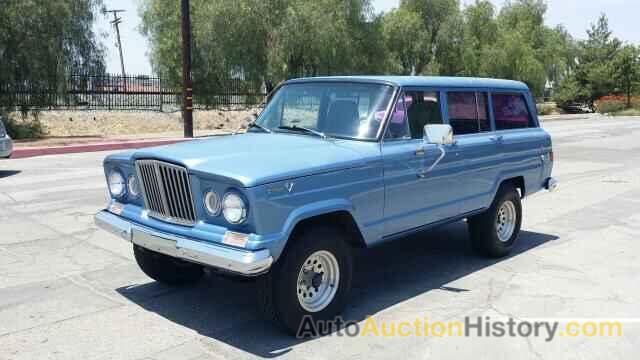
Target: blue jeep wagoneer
331, 164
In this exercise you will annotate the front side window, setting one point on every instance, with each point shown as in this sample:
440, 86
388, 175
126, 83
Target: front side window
347, 110
468, 112
511, 112
398, 127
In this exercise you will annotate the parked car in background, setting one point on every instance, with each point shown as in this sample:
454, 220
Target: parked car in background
332, 164
578, 108
6, 144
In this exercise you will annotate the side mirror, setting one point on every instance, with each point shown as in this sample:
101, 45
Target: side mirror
440, 134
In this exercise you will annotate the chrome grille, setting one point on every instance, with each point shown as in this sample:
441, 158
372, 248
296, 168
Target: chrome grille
166, 191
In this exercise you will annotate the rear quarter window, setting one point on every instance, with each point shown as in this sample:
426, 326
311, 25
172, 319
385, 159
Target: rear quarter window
511, 112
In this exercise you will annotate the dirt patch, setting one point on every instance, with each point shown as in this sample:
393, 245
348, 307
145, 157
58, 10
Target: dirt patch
109, 123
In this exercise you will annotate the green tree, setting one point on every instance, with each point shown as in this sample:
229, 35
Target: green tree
405, 38
480, 33
326, 37
260, 40
558, 54
595, 70
514, 58
42, 41
569, 91
434, 13
627, 70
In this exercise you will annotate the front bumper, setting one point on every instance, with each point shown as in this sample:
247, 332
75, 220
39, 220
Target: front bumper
243, 262
6, 147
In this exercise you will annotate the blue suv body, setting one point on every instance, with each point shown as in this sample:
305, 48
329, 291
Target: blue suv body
330, 164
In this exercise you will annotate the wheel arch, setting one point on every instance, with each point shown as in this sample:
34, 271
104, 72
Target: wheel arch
342, 219
518, 182
331, 212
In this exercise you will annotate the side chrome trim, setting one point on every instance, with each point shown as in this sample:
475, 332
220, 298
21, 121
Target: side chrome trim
243, 262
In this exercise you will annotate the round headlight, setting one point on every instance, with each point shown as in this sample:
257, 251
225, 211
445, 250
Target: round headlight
116, 183
233, 208
212, 203
132, 186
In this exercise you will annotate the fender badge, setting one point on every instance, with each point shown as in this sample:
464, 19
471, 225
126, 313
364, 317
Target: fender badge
288, 186
280, 188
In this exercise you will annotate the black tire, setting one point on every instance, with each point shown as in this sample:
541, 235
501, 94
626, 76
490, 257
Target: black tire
166, 269
278, 288
484, 231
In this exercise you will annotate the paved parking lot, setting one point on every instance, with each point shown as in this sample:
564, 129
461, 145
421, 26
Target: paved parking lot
69, 291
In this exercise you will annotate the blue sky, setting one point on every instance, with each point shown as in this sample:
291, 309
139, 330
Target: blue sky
575, 15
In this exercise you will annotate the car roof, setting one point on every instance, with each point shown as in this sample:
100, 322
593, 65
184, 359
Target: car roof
429, 81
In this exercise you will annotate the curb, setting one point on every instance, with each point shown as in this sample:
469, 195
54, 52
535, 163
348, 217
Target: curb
566, 117
26, 152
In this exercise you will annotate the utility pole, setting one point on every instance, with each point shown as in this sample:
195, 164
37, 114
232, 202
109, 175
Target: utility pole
116, 21
187, 85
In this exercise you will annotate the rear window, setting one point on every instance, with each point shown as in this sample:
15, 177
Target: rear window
511, 112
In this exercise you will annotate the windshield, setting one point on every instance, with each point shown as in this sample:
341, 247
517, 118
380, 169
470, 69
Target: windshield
346, 110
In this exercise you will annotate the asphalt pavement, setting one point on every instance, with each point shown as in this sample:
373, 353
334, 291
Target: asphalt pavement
71, 291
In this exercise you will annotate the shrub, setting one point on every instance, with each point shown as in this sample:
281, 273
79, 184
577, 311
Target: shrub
570, 92
610, 104
616, 103
24, 128
546, 109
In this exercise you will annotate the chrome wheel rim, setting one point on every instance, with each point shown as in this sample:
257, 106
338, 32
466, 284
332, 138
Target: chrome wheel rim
318, 281
506, 221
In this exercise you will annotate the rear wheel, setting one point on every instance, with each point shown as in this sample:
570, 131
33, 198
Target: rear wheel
494, 232
167, 269
310, 283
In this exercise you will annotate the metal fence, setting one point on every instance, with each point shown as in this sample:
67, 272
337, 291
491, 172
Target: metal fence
115, 92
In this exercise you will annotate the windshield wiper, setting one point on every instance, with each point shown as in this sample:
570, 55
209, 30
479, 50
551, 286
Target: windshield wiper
254, 124
250, 125
303, 129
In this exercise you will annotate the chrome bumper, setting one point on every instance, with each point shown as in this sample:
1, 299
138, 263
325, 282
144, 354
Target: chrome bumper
551, 184
244, 262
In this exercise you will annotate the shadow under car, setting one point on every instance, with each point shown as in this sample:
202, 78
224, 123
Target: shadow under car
227, 311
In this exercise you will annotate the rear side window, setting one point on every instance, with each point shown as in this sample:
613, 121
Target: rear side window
468, 112
511, 112
423, 108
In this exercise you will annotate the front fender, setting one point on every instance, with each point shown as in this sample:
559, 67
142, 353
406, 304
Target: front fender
279, 241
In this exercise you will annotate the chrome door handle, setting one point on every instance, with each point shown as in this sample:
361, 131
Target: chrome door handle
419, 152
497, 138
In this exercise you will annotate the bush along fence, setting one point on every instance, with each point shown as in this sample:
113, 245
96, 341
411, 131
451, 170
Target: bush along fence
612, 104
134, 92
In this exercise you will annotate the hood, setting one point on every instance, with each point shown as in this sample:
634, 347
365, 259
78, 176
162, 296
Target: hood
253, 159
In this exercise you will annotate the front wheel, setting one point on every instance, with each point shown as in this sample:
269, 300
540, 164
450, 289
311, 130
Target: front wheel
310, 283
494, 232
166, 269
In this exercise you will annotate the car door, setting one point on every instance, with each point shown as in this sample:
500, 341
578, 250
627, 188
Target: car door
478, 148
416, 192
